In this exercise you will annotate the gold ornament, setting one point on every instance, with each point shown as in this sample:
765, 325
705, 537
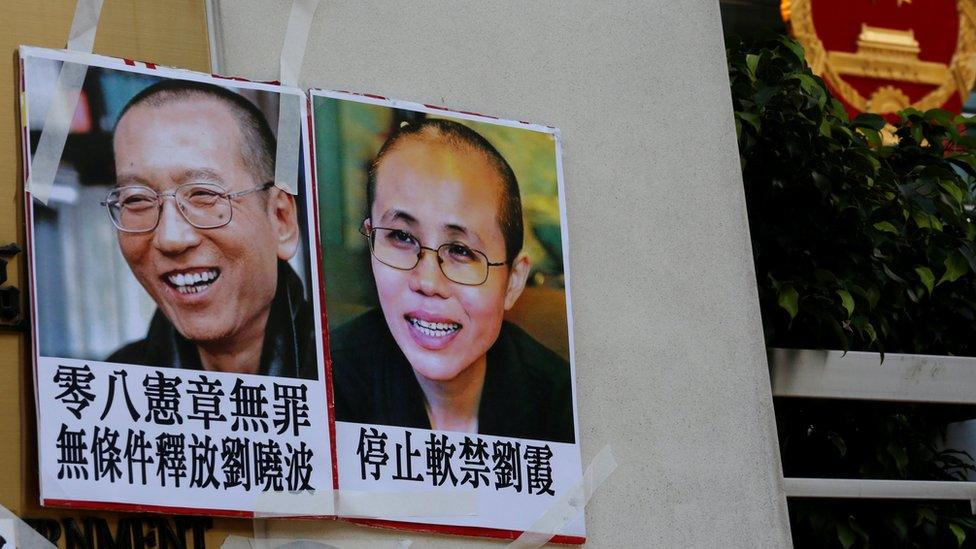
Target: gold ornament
888, 54
887, 99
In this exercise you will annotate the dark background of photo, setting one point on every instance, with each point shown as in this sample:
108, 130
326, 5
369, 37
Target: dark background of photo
348, 134
88, 301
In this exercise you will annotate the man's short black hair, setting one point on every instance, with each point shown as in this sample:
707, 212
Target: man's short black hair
460, 136
258, 144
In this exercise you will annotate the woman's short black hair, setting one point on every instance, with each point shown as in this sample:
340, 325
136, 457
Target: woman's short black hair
460, 136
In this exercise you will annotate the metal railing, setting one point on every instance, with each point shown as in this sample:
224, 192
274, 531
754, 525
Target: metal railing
799, 373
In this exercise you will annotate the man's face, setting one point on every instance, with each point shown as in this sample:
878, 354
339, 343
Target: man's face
214, 285
440, 194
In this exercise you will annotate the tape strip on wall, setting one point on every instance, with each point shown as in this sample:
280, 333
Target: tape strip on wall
569, 506
288, 152
16, 533
47, 157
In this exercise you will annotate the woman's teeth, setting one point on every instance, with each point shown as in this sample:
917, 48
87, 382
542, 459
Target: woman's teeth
434, 329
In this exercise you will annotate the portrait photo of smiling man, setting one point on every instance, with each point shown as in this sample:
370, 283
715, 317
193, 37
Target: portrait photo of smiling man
174, 302
208, 235
194, 258
440, 349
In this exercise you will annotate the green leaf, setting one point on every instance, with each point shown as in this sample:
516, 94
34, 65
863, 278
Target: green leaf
891, 274
868, 157
794, 47
969, 255
956, 266
846, 301
917, 133
959, 533
824, 276
953, 189
868, 120
886, 226
825, 128
838, 109
965, 163
925, 274
873, 137
924, 513
789, 300
811, 86
910, 112
964, 119
871, 332
845, 535
897, 524
943, 117
750, 118
752, 61
838, 443
873, 295
860, 531
927, 221
900, 456
764, 94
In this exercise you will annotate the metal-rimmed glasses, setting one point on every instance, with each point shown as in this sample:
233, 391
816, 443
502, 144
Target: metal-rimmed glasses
136, 209
402, 250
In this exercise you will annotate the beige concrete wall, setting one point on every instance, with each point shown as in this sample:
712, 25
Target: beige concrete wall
671, 365
672, 372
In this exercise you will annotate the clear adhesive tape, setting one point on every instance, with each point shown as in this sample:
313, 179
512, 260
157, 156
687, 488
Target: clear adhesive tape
289, 146
296, 36
57, 123
16, 533
569, 506
289, 113
83, 26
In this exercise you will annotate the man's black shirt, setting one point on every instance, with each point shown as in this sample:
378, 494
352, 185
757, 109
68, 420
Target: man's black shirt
289, 339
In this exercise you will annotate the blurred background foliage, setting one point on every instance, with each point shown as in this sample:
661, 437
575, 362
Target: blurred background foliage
858, 243
862, 241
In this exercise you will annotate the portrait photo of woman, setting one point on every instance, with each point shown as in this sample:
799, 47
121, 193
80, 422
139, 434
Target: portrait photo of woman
440, 337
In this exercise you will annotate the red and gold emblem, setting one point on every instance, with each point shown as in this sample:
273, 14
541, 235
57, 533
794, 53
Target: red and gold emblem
882, 56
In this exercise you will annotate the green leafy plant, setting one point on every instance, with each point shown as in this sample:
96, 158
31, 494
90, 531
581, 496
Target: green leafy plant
857, 243
861, 242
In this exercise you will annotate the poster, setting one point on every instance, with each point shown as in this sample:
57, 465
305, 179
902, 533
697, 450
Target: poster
175, 303
447, 301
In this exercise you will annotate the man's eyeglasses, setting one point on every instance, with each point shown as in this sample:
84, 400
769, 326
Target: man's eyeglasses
136, 209
401, 250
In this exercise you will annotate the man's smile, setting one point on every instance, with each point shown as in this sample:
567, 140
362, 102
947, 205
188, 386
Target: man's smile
191, 281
